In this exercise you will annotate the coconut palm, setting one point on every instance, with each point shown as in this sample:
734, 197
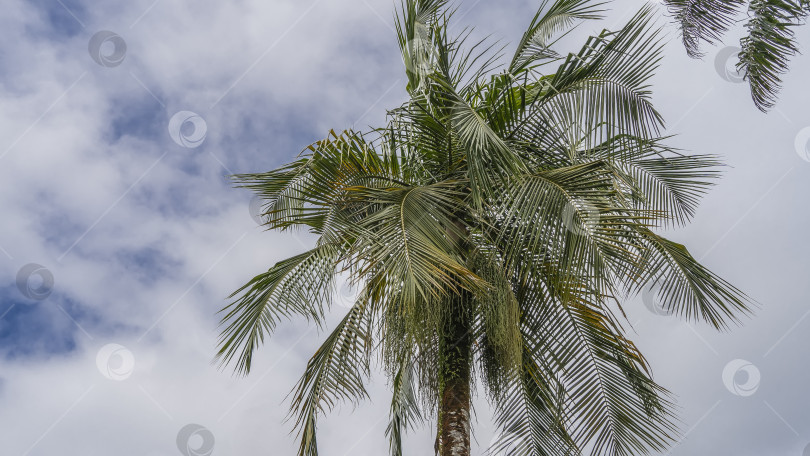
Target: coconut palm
495, 226
765, 50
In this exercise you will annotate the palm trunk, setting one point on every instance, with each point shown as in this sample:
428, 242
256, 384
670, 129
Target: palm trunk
455, 341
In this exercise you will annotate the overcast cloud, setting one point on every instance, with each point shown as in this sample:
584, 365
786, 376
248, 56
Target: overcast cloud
143, 238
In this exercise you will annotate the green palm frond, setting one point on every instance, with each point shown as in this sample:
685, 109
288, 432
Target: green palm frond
703, 20
573, 207
406, 234
769, 45
295, 286
304, 192
489, 158
687, 288
662, 183
416, 35
550, 20
404, 406
531, 415
611, 402
499, 321
334, 373
603, 88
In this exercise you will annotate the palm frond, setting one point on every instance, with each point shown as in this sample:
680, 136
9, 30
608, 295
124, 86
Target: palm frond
415, 34
603, 89
404, 406
531, 413
303, 192
687, 288
489, 158
663, 184
566, 214
611, 403
300, 285
703, 20
334, 373
551, 18
769, 45
409, 233
499, 322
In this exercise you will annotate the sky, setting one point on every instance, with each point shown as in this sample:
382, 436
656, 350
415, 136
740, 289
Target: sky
121, 236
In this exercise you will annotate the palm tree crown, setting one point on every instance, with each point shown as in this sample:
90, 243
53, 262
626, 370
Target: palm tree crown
495, 226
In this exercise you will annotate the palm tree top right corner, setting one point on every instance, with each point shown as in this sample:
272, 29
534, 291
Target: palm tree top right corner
497, 225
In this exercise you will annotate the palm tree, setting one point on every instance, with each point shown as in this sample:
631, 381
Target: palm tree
495, 226
765, 50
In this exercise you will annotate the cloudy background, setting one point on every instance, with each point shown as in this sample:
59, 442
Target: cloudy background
143, 238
